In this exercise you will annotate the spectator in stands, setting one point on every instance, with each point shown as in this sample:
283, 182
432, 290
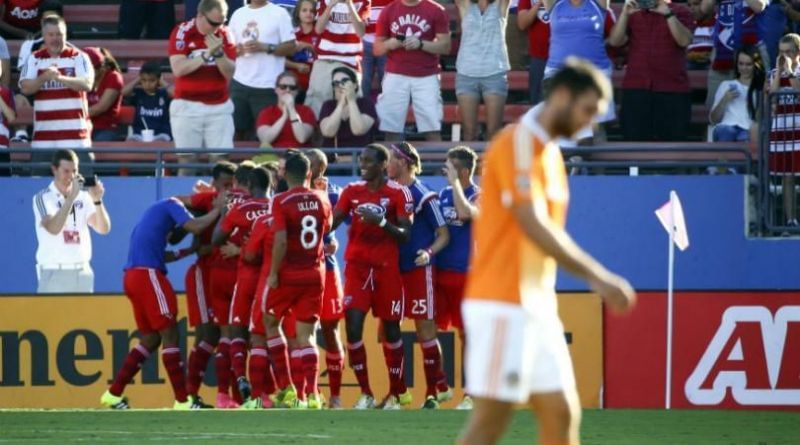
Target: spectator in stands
306, 40
7, 115
656, 104
347, 120
5, 64
736, 25
774, 22
699, 51
58, 76
341, 25
574, 31
412, 69
190, 7
737, 100
372, 67
482, 65
784, 134
288, 124
151, 97
264, 36
534, 17
105, 98
201, 54
151, 19
19, 19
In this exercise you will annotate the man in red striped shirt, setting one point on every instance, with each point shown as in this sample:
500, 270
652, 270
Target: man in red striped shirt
341, 25
58, 76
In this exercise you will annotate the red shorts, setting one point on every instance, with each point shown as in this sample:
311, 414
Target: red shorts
376, 288
155, 306
243, 293
449, 294
418, 297
305, 302
223, 281
257, 309
289, 325
332, 306
197, 284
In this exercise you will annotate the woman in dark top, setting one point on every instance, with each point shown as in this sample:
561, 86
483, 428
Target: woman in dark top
347, 120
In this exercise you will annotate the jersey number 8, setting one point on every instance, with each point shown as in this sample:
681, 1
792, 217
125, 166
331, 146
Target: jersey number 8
309, 238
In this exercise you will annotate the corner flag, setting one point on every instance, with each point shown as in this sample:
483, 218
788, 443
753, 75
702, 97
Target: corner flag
671, 217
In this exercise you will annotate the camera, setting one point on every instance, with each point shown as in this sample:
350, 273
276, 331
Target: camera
89, 182
647, 4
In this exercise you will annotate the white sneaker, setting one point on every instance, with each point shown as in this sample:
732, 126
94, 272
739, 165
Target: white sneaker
366, 401
392, 403
466, 404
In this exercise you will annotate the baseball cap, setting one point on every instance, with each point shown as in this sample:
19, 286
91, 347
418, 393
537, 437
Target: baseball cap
95, 55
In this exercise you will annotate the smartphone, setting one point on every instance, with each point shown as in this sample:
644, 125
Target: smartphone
89, 182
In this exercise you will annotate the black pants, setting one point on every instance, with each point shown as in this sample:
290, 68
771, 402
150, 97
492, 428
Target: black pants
655, 117
136, 15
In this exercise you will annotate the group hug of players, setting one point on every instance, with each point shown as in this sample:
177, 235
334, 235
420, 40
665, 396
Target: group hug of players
266, 278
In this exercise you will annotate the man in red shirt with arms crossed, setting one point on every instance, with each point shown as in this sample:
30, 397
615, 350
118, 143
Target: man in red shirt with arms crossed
301, 218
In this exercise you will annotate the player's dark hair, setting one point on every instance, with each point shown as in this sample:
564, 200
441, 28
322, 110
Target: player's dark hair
152, 67
381, 152
64, 154
409, 154
465, 156
580, 76
259, 178
297, 167
223, 168
242, 175
50, 5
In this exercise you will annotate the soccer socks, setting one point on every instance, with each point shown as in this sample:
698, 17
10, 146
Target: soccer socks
310, 358
223, 365
393, 354
238, 357
280, 360
133, 362
435, 378
171, 356
198, 362
298, 377
334, 362
259, 362
357, 355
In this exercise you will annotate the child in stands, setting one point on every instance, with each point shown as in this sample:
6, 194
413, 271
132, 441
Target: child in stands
151, 96
300, 63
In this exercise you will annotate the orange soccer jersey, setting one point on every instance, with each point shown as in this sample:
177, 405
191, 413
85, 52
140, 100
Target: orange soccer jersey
520, 165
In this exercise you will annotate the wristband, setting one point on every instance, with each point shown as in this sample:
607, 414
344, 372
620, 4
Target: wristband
669, 15
98, 202
218, 54
382, 223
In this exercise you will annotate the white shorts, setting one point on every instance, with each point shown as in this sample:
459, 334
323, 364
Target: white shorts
198, 125
425, 96
511, 354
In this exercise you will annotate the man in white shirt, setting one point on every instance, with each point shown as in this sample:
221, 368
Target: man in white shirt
264, 36
64, 212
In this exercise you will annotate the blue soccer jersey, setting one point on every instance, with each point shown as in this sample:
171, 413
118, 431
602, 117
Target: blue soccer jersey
455, 256
427, 218
149, 237
333, 196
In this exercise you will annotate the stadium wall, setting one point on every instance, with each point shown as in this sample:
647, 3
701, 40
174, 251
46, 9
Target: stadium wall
612, 216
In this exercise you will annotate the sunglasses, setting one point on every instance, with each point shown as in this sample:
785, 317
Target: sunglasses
340, 83
213, 23
287, 87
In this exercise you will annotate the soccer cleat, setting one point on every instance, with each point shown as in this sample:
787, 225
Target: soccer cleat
335, 403
314, 401
286, 397
405, 398
185, 406
298, 404
430, 403
198, 403
114, 402
444, 396
244, 387
253, 403
366, 401
392, 403
466, 403
224, 401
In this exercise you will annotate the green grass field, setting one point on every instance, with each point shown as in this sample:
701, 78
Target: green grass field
383, 428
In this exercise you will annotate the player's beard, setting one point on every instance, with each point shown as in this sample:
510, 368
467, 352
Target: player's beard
563, 125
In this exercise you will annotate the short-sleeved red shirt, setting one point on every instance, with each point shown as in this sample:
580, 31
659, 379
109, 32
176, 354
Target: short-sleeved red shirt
22, 14
539, 31
367, 243
423, 20
205, 202
206, 84
110, 118
285, 139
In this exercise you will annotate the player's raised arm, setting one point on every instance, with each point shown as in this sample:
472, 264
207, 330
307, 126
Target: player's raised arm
197, 225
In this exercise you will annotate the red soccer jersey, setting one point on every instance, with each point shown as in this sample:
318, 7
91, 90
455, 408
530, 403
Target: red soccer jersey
260, 237
305, 215
424, 21
206, 84
110, 118
239, 220
286, 139
205, 202
539, 31
306, 56
22, 14
367, 243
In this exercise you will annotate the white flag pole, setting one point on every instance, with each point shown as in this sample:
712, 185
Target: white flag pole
670, 270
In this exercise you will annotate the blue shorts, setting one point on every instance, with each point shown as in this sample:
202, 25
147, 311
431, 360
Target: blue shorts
494, 85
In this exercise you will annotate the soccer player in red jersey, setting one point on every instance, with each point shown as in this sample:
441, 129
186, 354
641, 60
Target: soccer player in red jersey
381, 212
429, 235
155, 306
197, 285
301, 218
237, 224
332, 300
